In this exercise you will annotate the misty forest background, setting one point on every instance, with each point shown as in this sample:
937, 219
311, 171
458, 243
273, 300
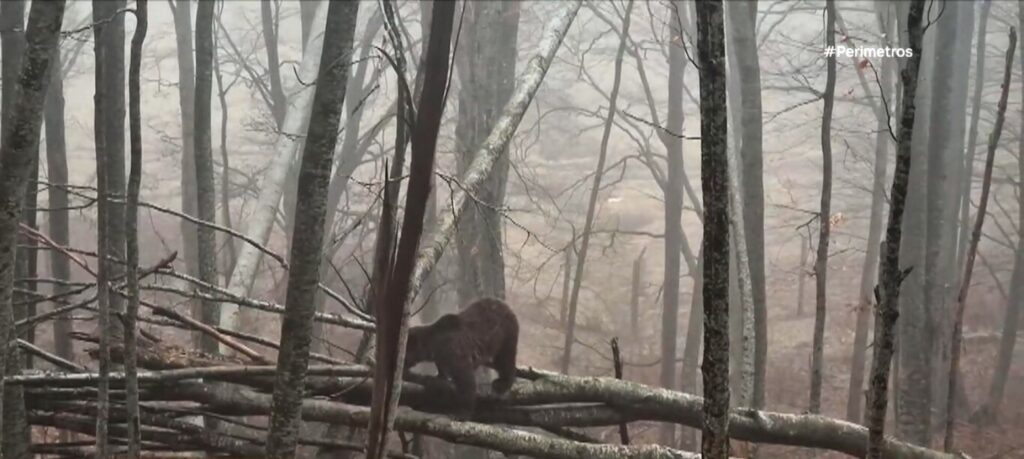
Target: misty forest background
208, 208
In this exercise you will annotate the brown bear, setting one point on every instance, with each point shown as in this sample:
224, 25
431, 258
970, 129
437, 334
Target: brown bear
486, 332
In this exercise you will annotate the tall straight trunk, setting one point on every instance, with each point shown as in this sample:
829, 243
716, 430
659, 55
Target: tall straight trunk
714, 181
182, 12
752, 184
669, 324
110, 34
307, 245
57, 173
744, 294
869, 271
563, 310
132, 230
914, 400
892, 275
12, 30
824, 214
487, 68
26, 263
954, 32
972, 131
673, 213
988, 410
972, 251
18, 150
206, 192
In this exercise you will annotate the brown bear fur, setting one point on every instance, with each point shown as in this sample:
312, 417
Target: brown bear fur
486, 332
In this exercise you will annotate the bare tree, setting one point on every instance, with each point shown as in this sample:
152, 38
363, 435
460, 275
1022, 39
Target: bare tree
988, 410
206, 193
132, 229
888, 291
972, 250
824, 214
57, 174
18, 150
714, 181
307, 245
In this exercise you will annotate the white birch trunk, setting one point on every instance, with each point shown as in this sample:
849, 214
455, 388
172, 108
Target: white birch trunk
293, 130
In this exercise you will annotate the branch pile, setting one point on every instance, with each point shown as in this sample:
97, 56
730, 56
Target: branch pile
178, 383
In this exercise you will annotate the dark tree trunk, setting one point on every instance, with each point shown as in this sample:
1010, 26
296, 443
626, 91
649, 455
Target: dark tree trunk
110, 185
714, 181
206, 192
182, 12
12, 31
132, 230
307, 245
888, 290
824, 214
18, 150
57, 172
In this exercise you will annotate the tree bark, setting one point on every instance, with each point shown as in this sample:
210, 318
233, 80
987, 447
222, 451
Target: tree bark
824, 214
673, 189
57, 174
18, 150
206, 192
310, 214
715, 184
132, 230
751, 168
182, 12
888, 290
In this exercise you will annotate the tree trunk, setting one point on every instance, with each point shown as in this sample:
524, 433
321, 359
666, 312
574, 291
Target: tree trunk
972, 132
743, 17
888, 291
310, 215
18, 150
946, 138
972, 251
206, 192
673, 212
182, 12
824, 215
714, 181
132, 231
57, 173
12, 31
914, 401
487, 69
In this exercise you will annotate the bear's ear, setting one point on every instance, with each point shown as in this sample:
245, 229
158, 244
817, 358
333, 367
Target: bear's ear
447, 322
